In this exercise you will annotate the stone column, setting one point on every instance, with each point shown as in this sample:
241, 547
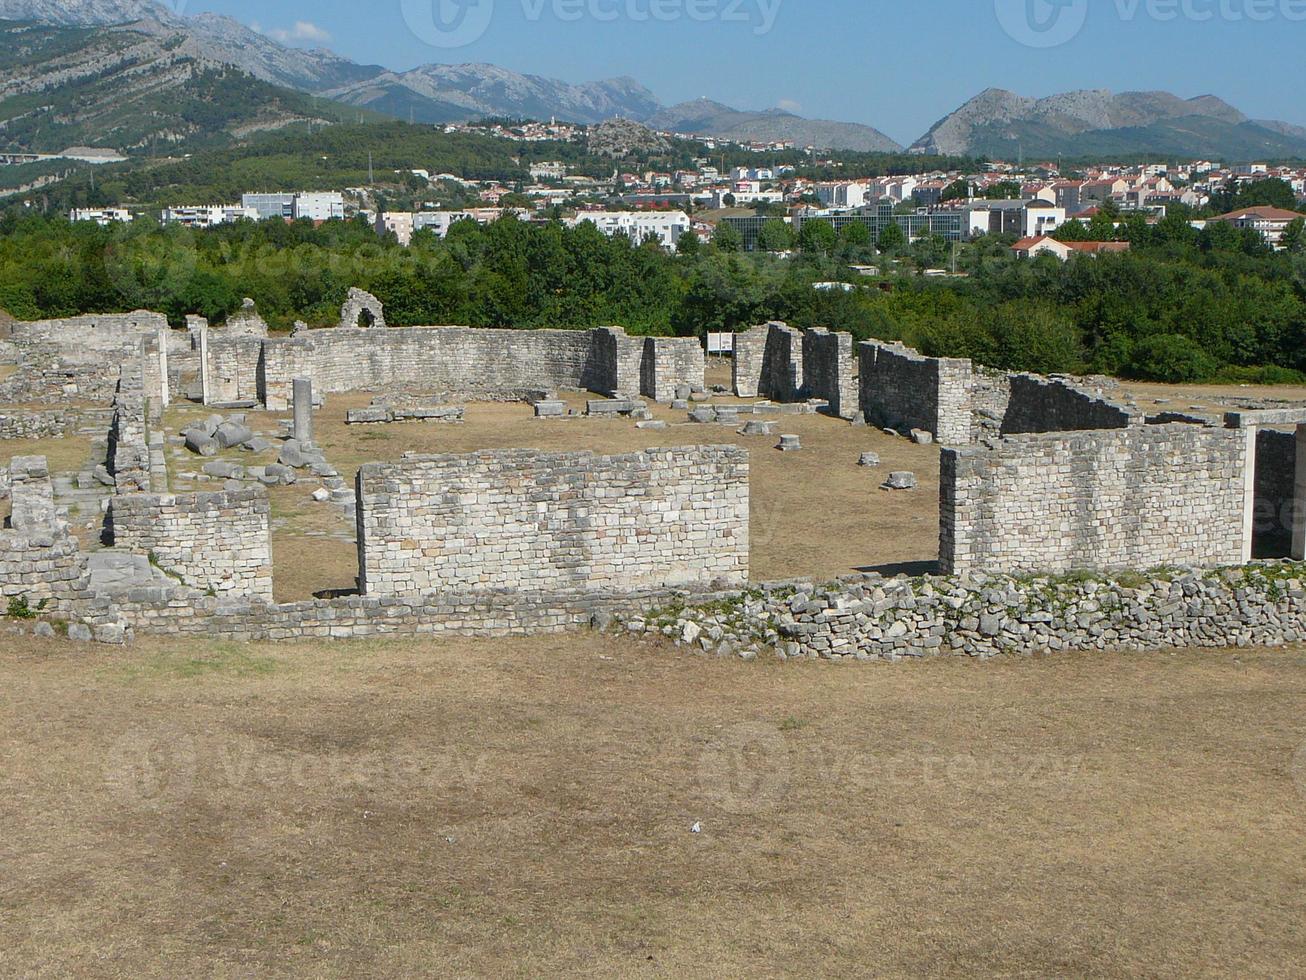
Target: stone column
1299, 500
204, 363
303, 408
165, 396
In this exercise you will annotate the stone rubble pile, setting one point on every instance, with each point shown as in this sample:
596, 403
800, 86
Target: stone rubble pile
871, 618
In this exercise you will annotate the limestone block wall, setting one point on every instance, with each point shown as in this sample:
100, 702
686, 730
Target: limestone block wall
782, 369
670, 362
103, 332
554, 522
905, 390
1038, 404
1140, 497
234, 367
211, 541
1276, 473
749, 361
39, 560
129, 452
829, 370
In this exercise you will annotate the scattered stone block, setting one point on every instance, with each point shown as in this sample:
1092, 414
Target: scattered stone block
368, 416
922, 438
201, 444
80, 633
869, 459
550, 409
321, 495
223, 470
789, 444
257, 445
291, 455
681, 404
757, 428
651, 424
900, 481
703, 414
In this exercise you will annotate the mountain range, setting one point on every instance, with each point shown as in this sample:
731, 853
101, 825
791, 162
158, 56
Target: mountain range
1004, 125
132, 71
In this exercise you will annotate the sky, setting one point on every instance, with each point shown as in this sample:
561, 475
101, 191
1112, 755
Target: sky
898, 65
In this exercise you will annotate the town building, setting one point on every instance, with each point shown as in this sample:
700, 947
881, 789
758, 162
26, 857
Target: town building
208, 215
101, 216
665, 226
1028, 248
1271, 223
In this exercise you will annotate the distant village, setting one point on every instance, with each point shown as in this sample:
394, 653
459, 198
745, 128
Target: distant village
1028, 202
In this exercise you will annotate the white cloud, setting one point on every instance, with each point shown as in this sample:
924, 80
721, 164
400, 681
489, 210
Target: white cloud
303, 31
789, 105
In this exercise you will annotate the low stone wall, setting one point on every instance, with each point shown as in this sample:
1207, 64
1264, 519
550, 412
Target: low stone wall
981, 616
830, 371
1125, 498
210, 541
905, 390
1038, 404
36, 425
554, 522
184, 612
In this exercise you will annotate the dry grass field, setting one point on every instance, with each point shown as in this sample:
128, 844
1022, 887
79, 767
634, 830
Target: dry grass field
524, 808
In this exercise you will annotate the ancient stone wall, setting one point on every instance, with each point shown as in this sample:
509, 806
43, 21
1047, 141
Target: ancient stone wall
36, 425
670, 362
830, 371
554, 522
1276, 474
129, 452
234, 367
782, 367
209, 541
749, 361
904, 390
1038, 404
99, 332
40, 561
1140, 497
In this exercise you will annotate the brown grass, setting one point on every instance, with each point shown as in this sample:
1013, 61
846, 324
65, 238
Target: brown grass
523, 809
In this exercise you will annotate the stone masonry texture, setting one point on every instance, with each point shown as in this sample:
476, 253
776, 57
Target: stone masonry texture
210, 541
1139, 498
554, 522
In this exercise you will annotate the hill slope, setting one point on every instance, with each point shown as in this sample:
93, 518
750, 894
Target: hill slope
703, 117
130, 89
999, 123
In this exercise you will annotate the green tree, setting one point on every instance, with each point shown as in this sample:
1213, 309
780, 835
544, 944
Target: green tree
776, 236
687, 245
892, 239
727, 238
817, 237
958, 190
1294, 236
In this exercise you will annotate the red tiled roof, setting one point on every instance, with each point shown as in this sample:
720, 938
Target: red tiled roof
1264, 213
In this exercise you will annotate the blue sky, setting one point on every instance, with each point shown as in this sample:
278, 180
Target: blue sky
898, 65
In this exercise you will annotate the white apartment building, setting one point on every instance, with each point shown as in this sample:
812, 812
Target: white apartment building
842, 195
403, 225
665, 226
551, 170
326, 206
101, 216
315, 206
208, 215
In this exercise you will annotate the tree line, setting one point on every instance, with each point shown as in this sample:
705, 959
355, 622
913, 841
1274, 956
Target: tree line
1181, 306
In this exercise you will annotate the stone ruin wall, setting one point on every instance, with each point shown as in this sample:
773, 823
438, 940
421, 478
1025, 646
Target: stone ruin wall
101, 332
210, 541
40, 560
783, 364
464, 360
554, 522
904, 390
1276, 477
1136, 498
829, 371
129, 452
1038, 404
669, 363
